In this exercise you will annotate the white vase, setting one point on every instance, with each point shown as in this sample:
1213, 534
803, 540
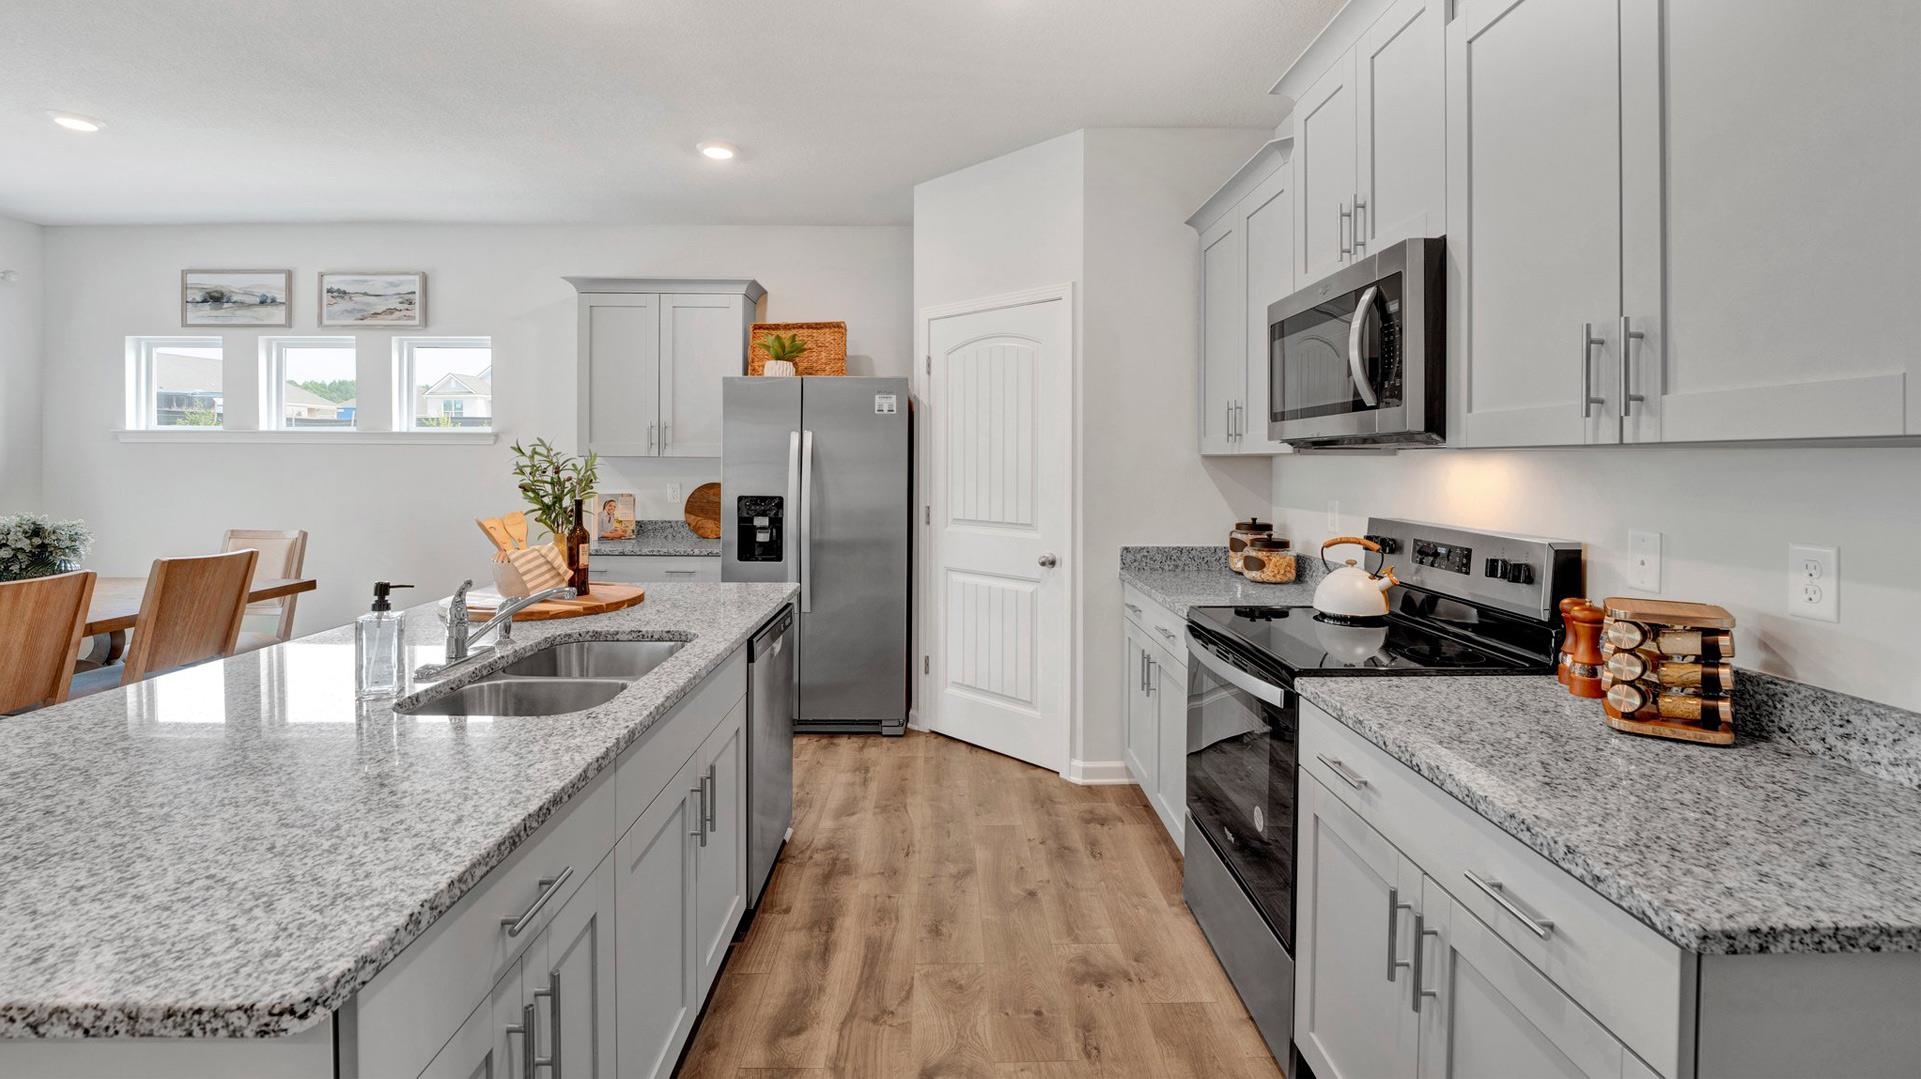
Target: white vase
778, 369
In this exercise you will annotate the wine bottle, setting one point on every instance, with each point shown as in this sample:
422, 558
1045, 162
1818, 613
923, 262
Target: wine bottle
577, 549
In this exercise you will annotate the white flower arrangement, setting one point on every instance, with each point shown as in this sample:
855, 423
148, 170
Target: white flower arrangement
31, 545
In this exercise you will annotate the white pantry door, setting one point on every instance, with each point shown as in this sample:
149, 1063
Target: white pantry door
999, 394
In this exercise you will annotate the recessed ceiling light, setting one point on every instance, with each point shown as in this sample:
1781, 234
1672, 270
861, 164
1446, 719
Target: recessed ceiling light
719, 151
75, 122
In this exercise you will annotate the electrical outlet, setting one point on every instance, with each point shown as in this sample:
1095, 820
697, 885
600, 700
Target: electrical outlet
1814, 582
1644, 560
1333, 516
673, 494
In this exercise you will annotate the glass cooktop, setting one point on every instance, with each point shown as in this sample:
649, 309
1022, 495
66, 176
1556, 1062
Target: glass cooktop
1303, 641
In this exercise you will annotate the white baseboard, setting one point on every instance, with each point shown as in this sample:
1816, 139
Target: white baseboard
1096, 773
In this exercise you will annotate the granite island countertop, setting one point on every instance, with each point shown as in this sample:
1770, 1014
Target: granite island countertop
1761, 847
235, 849
1181, 577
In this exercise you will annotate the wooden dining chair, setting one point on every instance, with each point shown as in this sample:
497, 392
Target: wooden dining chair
41, 623
191, 612
283, 555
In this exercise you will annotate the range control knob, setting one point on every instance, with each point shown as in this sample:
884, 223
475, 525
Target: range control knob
1497, 568
1520, 573
1389, 545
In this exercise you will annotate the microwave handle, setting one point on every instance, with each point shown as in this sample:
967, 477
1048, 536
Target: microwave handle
1234, 676
1354, 331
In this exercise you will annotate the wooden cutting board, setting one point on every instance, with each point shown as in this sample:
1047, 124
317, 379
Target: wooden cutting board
600, 599
703, 511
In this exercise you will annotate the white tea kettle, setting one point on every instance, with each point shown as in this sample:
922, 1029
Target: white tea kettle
1349, 591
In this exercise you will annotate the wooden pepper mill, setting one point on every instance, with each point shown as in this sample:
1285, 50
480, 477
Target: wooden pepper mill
1585, 659
1567, 637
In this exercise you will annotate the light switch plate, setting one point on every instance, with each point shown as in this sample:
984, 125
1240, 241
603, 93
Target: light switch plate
1814, 582
1644, 560
1333, 515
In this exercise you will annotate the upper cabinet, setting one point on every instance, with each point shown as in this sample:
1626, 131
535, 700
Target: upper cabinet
1633, 194
1772, 291
1534, 191
1651, 236
652, 354
1368, 152
1247, 262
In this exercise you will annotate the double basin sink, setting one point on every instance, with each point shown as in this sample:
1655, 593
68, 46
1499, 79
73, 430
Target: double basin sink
567, 676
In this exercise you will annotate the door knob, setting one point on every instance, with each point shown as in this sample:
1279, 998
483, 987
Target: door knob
1048, 561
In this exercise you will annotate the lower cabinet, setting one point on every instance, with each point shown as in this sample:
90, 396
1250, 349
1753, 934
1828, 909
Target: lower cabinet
1394, 978
1154, 698
720, 856
596, 972
659, 976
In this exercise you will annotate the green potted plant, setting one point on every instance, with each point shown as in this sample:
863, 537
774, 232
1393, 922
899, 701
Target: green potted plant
550, 481
781, 354
33, 546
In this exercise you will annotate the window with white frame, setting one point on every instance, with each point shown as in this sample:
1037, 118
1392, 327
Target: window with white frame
308, 383
175, 382
444, 383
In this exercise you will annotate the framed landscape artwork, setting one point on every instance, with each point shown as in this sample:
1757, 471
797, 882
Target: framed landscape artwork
236, 297
373, 299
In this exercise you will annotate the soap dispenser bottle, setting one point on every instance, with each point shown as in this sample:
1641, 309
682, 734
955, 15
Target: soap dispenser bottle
379, 650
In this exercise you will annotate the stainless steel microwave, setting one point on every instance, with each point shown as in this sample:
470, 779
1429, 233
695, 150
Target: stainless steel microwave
1359, 358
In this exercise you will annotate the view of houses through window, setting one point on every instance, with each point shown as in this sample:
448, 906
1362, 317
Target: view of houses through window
315, 382
311, 383
448, 383
179, 383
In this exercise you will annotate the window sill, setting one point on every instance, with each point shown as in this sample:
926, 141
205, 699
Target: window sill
312, 438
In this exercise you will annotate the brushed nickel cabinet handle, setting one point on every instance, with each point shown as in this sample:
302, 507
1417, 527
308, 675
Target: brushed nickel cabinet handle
1340, 234
1494, 890
1394, 909
552, 1060
1421, 933
1629, 335
1348, 775
1359, 238
550, 887
1588, 344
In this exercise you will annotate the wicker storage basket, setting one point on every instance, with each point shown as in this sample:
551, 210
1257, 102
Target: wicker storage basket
826, 346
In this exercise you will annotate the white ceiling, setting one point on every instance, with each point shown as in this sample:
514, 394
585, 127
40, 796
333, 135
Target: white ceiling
588, 110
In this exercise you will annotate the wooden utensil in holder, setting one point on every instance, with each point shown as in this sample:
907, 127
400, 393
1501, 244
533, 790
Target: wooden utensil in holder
520, 570
1665, 673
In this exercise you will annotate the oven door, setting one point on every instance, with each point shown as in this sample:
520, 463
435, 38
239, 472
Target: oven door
1242, 734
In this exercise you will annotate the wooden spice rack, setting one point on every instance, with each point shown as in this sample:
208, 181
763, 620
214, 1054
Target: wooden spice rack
1665, 672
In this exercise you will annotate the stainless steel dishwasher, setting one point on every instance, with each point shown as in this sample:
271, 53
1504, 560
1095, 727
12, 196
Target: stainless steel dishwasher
770, 747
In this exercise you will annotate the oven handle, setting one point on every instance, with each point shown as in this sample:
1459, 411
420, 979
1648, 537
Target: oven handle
1234, 676
1354, 331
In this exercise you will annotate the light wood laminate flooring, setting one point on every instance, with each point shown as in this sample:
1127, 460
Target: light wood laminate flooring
942, 910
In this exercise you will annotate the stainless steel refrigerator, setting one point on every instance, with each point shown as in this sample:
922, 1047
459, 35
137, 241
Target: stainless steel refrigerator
816, 487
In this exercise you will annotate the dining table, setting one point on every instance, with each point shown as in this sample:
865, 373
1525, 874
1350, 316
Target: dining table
116, 604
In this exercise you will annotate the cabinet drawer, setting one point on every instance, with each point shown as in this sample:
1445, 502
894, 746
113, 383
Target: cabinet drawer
644, 568
1628, 976
405, 1015
1164, 627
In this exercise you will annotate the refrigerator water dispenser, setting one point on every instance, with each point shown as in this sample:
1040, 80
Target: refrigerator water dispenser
759, 528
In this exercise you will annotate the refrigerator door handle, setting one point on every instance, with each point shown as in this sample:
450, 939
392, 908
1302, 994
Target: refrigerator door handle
806, 522
792, 556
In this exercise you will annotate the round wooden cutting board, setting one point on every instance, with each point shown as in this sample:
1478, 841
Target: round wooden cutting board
703, 511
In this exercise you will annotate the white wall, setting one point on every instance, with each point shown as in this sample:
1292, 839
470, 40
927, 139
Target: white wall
1104, 209
403, 513
1142, 479
1727, 516
20, 355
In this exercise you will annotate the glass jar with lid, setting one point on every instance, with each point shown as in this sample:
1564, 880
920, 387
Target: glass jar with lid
1245, 532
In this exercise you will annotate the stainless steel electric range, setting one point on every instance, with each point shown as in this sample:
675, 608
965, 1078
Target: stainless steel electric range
1468, 603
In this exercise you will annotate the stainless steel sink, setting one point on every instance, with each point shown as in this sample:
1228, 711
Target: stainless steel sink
593, 659
499, 696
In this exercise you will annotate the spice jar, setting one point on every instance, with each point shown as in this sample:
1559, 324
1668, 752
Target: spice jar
1268, 561
1245, 532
